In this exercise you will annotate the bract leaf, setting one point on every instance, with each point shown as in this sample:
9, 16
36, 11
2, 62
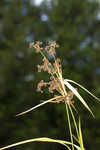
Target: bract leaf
78, 96
82, 88
45, 102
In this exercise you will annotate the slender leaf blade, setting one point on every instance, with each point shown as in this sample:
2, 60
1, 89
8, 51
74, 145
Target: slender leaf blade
78, 96
82, 88
41, 104
42, 139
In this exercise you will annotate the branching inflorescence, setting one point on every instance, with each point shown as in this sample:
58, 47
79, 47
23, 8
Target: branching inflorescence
56, 81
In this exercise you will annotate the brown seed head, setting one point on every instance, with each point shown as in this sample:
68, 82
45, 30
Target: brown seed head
31, 44
54, 44
40, 85
37, 46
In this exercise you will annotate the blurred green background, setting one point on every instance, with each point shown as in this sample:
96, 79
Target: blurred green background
75, 25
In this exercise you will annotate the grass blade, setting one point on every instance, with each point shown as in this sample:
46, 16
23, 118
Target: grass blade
43, 139
41, 104
78, 96
82, 88
80, 137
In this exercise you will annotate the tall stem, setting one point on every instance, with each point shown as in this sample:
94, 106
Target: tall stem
75, 124
69, 124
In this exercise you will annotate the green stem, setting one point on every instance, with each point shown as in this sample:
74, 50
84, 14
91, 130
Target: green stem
74, 121
69, 123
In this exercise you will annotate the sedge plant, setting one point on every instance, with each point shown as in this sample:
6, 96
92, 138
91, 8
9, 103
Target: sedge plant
65, 95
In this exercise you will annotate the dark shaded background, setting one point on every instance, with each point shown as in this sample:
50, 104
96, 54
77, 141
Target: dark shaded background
75, 25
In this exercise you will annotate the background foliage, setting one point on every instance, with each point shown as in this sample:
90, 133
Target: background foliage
75, 25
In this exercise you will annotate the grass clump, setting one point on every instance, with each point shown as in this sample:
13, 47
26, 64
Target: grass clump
64, 94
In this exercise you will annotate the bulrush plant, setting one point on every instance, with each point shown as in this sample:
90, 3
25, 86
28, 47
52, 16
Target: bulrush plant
66, 92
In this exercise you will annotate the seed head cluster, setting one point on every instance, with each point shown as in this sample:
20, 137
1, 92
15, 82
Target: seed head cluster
55, 70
